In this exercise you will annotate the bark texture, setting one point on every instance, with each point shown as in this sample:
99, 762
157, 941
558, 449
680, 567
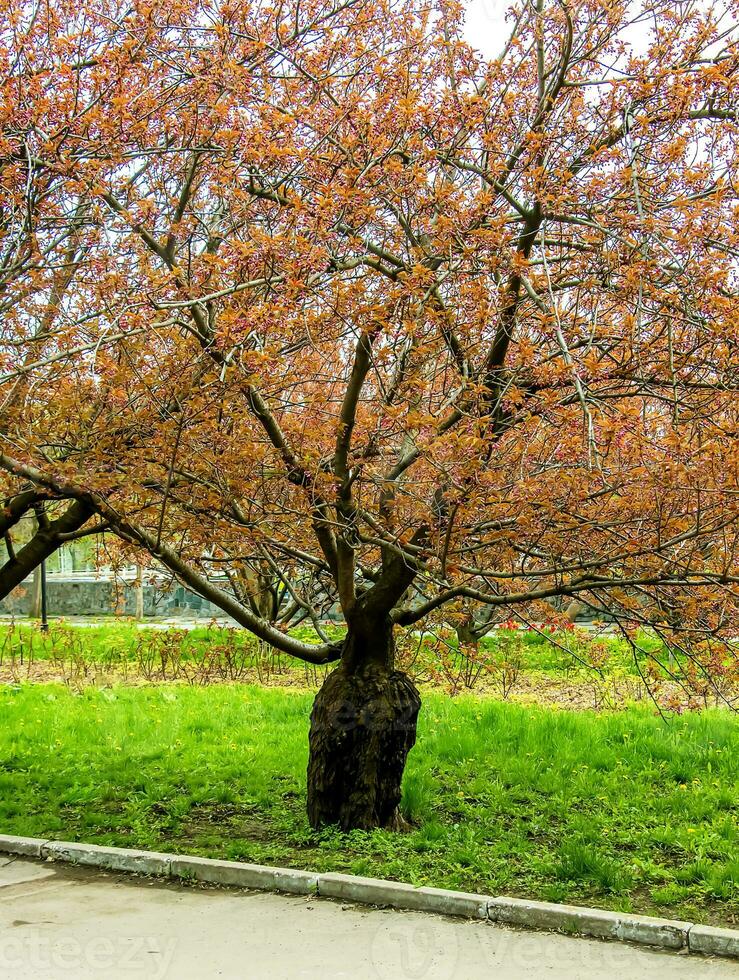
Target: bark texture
363, 725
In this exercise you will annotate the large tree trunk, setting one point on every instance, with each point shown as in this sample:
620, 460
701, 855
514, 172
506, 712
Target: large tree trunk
363, 725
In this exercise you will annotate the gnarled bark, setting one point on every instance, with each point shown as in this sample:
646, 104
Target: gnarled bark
363, 725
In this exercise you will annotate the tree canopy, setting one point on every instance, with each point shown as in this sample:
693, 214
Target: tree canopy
319, 291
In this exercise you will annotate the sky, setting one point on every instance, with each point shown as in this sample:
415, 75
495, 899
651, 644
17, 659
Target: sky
486, 28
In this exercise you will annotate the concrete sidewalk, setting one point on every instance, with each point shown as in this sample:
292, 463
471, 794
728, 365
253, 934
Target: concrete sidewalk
59, 921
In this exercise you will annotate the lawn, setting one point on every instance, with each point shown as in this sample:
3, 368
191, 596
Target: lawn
572, 669
123, 642
623, 809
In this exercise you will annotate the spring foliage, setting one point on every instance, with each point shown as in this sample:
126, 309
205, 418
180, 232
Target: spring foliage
318, 290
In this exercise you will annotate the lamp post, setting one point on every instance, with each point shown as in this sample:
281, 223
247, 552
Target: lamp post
44, 619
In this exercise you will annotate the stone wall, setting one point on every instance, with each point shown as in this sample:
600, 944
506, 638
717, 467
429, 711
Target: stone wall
90, 597
77, 596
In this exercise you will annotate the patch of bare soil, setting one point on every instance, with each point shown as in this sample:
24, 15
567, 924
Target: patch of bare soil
92, 674
609, 694
530, 687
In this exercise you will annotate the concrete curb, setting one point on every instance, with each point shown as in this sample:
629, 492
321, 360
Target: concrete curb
667, 933
570, 919
375, 891
240, 875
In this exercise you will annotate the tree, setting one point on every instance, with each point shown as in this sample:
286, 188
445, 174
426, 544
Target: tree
319, 289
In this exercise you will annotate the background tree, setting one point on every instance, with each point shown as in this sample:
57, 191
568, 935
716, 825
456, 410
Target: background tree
320, 287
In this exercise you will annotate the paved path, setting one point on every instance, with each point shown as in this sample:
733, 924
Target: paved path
72, 923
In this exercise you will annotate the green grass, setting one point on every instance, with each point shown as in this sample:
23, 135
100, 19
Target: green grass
111, 643
572, 654
206, 654
622, 810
